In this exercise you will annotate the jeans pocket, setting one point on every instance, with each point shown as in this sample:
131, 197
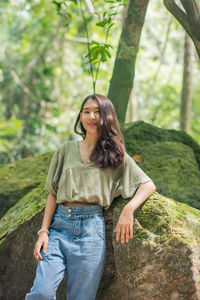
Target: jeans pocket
99, 223
54, 219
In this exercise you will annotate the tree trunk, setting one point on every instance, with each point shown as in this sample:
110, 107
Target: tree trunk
121, 83
186, 94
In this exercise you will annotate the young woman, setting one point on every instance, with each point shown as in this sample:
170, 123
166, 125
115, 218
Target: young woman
83, 179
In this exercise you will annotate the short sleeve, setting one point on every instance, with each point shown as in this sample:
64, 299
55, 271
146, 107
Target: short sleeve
131, 178
54, 173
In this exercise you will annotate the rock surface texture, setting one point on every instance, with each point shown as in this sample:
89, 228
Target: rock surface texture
162, 261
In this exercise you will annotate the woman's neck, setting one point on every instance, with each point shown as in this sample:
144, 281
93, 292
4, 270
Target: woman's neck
90, 140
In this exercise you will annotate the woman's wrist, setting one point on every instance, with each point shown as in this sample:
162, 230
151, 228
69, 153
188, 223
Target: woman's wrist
43, 230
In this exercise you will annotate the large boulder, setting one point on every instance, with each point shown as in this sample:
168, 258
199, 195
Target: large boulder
162, 260
138, 135
170, 157
174, 169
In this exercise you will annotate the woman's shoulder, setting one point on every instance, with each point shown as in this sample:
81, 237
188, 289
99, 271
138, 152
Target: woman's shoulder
65, 146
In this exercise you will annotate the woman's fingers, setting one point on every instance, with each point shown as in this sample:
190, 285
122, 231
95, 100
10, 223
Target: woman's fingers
122, 234
124, 229
45, 246
38, 254
127, 233
42, 241
37, 251
131, 231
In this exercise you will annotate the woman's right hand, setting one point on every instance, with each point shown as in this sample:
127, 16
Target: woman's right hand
41, 242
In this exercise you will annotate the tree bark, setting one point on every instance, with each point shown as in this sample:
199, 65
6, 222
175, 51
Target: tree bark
121, 83
186, 94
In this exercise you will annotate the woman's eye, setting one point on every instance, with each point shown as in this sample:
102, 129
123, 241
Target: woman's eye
87, 112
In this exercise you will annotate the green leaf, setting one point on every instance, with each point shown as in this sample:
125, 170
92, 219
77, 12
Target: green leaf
108, 53
100, 24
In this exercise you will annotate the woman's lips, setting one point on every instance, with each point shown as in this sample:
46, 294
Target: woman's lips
92, 124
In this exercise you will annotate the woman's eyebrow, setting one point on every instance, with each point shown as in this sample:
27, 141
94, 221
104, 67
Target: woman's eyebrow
88, 108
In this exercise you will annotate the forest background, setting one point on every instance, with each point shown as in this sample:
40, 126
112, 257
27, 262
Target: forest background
45, 70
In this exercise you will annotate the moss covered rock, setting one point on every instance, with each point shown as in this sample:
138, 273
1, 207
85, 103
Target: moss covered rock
170, 157
17, 179
174, 170
139, 135
162, 260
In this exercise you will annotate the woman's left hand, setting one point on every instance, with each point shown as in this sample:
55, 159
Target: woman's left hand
125, 224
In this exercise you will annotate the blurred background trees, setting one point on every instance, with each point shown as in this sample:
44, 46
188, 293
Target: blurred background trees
45, 70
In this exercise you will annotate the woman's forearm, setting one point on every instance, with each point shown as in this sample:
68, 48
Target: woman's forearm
49, 211
143, 192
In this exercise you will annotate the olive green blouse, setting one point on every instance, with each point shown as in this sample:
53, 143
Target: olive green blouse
69, 179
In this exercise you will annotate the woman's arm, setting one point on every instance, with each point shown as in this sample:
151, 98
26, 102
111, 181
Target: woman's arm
43, 236
49, 211
125, 222
142, 193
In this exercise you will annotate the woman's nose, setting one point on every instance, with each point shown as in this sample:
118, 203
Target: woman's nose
92, 115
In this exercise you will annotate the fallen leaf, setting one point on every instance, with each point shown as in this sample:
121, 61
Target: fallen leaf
6, 177
175, 201
138, 158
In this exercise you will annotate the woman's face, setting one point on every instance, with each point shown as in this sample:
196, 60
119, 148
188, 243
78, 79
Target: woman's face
90, 116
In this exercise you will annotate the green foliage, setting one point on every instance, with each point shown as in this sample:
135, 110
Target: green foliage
9, 128
99, 52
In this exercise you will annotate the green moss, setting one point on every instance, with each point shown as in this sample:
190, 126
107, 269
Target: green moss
141, 234
27, 207
170, 160
167, 222
179, 174
139, 134
170, 157
19, 178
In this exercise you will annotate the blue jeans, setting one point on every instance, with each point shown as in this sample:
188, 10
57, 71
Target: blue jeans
76, 248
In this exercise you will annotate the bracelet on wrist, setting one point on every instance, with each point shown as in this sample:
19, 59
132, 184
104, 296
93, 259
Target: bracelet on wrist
43, 229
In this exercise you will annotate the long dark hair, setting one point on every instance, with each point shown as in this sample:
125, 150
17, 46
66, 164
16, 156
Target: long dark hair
110, 147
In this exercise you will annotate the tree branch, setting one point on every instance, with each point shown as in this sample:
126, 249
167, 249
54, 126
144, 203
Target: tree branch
192, 9
179, 14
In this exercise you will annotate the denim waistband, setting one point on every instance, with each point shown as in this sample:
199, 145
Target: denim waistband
80, 210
